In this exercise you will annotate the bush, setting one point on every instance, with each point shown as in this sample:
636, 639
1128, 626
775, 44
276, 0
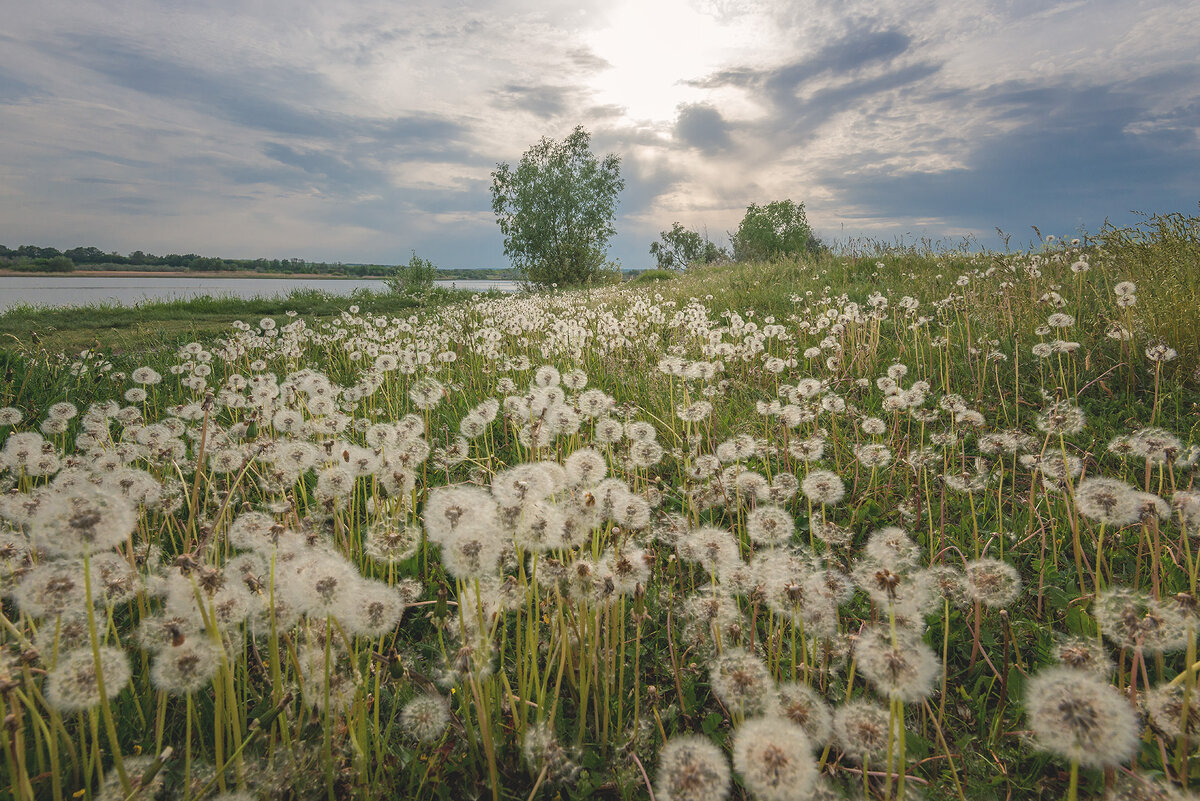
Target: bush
650, 276
682, 247
415, 278
777, 230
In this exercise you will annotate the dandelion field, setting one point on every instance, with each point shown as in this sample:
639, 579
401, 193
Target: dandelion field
896, 526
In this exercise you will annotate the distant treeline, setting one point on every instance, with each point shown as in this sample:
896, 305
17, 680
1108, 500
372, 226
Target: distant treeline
33, 258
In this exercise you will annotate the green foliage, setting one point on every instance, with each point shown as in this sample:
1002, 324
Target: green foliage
682, 247
556, 210
650, 276
48, 264
777, 230
415, 278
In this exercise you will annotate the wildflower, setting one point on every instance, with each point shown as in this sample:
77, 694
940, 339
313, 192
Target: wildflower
585, 467
873, 456
1061, 418
992, 582
802, 705
861, 729
903, 667
1106, 500
1165, 708
545, 756
1161, 353
742, 682
51, 588
1080, 717
1186, 504
1134, 620
691, 768
1124, 288
373, 611
73, 684
892, 547
426, 717
695, 412
185, 668
83, 519
769, 525
773, 756
1083, 653
391, 541
1155, 445
809, 450
823, 487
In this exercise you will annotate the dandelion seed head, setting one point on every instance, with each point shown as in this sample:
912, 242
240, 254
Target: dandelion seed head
73, 684
1080, 717
426, 717
861, 728
992, 582
691, 768
742, 682
902, 667
804, 706
774, 757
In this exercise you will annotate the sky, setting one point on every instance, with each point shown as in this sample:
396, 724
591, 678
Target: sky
362, 131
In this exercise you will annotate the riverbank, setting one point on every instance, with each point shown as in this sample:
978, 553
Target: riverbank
153, 324
191, 274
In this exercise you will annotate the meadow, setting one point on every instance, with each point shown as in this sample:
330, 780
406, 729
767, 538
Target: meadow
902, 524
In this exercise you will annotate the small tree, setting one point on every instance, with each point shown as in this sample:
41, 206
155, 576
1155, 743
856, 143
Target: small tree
556, 210
415, 278
774, 231
682, 247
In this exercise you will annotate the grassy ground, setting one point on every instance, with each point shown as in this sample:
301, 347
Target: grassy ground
576, 673
152, 325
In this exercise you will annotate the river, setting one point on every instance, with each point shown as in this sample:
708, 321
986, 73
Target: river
78, 290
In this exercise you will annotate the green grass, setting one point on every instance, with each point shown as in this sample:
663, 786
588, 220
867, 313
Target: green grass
151, 324
588, 666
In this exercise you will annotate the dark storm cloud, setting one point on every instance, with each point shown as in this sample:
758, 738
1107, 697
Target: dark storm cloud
851, 53
841, 75
1074, 157
702, 127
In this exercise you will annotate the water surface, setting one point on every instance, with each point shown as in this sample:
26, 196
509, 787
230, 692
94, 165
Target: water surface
85, 290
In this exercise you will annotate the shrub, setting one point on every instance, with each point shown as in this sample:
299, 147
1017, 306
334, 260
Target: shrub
682, 247
415, 278
774, 231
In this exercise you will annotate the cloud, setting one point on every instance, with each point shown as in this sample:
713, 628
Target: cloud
1056, 157
543, 101
703, 127
354, 130
13, 89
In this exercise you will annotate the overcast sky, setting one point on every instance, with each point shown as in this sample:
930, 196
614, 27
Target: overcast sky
359, 131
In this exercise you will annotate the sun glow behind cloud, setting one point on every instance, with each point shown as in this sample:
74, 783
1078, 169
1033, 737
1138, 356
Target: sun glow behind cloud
653, 48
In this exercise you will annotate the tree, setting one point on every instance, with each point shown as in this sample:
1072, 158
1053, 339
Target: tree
682, 247
415, 278
774, 231
556, 210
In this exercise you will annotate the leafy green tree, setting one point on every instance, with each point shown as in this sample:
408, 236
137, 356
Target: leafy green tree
775, 231
415, 278
682, 247
556, 210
